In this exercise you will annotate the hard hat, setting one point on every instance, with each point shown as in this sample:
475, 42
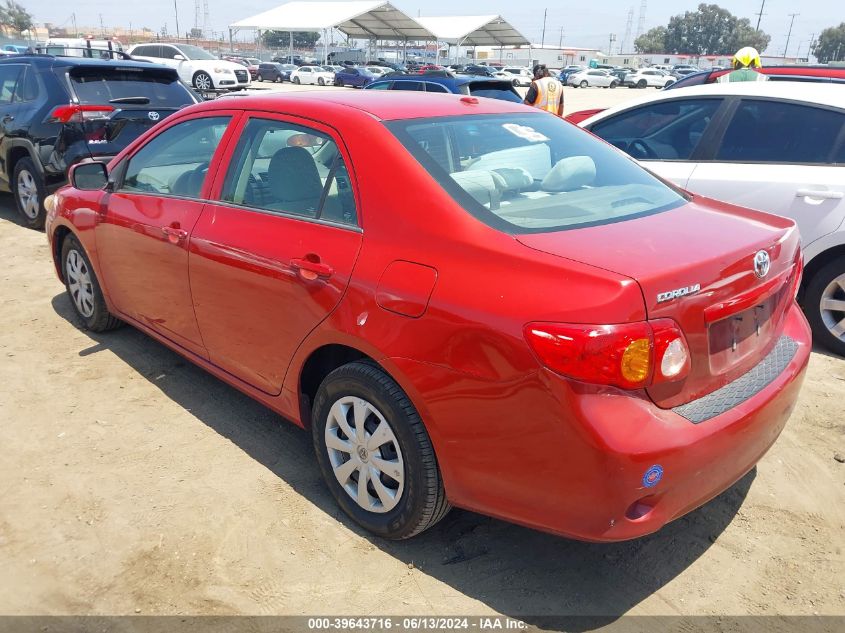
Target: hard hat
747, 57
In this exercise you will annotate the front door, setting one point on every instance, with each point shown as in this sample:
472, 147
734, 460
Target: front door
272, 258
144, 234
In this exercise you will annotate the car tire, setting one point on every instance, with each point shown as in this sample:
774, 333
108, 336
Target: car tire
516, 83
29, 192
202, 81
321, 81
83, 288
412, 496
584, 83
824, 288
296, 80
259, 78
613, 84
642, 83
668, 83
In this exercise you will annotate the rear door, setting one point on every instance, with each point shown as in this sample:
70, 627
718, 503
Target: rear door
139, 98
143, 233
665, 136
272, 257
780, 157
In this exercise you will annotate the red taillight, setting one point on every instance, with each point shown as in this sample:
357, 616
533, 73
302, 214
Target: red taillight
79, 113
626, 355
798, 273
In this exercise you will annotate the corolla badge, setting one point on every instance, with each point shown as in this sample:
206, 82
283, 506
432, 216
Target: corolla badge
154, 116
678, 293
762, 263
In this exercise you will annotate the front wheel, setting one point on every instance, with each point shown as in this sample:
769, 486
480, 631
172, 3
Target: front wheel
321, 81
375, 453
259, 78
642, 83
84, 290
202, 81
613, 84
296, 80
824, 305
29, 193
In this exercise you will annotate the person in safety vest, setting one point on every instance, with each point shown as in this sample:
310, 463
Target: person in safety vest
745, 62
545, 92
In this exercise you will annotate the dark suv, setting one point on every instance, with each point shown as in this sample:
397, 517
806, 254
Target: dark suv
56, 111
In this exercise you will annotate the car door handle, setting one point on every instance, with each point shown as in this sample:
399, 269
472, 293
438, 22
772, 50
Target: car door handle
8, 118
174, 235
812, 193
317, 268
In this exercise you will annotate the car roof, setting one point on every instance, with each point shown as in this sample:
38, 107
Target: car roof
61, 60
385, 106
825, 94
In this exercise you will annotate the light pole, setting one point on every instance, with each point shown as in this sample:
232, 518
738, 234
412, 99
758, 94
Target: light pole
543, 39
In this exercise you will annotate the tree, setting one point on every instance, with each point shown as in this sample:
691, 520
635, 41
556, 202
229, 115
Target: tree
830, 47
652, 41
14, 16
281, 39
709, 30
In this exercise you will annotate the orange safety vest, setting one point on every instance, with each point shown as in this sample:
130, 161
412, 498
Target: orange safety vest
549, 94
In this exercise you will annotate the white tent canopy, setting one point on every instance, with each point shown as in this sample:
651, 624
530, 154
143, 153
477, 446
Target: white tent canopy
363, 19
474, 30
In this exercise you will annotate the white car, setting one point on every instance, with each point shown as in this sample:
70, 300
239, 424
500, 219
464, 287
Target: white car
378, 71
776, 146
196, 66
312, 75
592, 77
648, 77
518, 75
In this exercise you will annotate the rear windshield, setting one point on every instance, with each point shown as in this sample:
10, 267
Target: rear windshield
533, 172
112, 85
494, 91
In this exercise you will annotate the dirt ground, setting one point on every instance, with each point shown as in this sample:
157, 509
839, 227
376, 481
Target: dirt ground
133, 482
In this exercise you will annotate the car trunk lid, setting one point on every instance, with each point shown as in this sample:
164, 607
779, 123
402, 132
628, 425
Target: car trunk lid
695, 264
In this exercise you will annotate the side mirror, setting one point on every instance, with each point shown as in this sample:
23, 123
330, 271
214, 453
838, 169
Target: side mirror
178, 57
88, 176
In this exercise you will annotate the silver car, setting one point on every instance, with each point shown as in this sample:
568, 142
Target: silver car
592, 77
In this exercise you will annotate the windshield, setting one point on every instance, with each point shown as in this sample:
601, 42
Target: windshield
528, 173
195, 52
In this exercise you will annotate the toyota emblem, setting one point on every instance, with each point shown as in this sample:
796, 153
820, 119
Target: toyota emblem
761, 264
154, 116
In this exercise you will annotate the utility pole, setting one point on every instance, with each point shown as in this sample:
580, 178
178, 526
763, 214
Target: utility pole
560, 43
102, 27
788, 35
176, 11
543, 39
761, 14
75, 30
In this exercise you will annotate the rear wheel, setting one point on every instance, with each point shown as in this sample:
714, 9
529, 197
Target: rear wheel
584, 83
321, 81
642, 83
613, 84
296, 80
375, 454
259, 78
202, 81
824, 305
29, 193
84, 289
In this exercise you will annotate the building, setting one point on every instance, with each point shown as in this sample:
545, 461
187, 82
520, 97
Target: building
550, 55
640, 60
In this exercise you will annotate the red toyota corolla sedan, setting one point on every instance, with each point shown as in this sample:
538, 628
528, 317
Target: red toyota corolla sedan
519, 320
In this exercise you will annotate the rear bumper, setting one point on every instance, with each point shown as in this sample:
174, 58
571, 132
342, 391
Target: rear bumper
597, 464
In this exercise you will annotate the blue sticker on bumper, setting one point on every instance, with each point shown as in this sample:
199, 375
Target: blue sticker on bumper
653, 476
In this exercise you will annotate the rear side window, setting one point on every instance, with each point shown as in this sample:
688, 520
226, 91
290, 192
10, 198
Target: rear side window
382, 85
407, 85
175, 162
9, 74
116, 86
780, 132
432, 87
668, 130
290, 169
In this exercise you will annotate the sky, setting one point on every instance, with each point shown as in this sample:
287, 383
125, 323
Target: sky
581, 24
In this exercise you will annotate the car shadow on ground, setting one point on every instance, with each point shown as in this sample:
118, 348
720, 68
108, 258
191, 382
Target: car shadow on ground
542, 579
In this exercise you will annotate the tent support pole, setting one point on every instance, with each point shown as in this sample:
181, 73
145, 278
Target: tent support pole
231, 46
290, 60
259, 44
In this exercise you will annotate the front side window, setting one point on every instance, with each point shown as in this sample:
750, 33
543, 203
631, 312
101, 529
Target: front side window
175, 162
780, 132
667, 130
432, 87
407, 85
290, 169
526, 173
382, 85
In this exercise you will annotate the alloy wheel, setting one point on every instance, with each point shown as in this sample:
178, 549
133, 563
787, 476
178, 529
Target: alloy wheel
203, 82
79, 283
364, 454
28, 194
832, 307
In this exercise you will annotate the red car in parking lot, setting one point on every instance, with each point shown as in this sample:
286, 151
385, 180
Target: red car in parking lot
520, 321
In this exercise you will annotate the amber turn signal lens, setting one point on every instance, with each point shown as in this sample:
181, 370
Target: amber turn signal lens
636, 360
